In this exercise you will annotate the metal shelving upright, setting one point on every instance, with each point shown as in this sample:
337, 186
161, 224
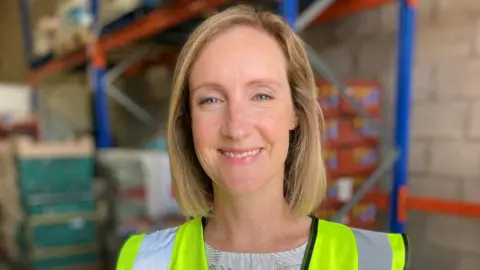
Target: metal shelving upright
406, 40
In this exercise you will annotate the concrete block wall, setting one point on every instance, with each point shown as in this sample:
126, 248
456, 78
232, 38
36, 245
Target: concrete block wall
445, 134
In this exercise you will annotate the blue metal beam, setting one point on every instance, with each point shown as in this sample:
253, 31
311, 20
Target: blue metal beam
27, 34
28, 51
289, 10
406, 35
103, 136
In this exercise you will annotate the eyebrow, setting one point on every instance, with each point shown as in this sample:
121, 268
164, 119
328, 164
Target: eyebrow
265, 81
206, 85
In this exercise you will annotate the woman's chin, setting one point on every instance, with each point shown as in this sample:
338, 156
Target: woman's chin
238, 187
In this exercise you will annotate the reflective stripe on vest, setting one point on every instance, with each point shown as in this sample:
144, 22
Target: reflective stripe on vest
336, 247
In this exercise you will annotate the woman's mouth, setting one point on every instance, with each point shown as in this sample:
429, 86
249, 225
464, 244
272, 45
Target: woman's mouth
240, 154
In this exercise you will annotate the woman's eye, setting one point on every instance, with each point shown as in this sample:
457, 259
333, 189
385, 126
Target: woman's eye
209, 101
262, 97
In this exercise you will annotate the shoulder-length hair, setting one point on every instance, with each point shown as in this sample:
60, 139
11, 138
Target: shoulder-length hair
305, 180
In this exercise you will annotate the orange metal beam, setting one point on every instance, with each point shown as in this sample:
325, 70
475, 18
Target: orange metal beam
444, 206
59, 64
430, 205
346, 7
157, 21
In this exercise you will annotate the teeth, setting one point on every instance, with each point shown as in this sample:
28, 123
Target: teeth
242, 155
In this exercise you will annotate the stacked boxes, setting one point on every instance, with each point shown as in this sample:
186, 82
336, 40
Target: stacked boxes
56, 191
351, 149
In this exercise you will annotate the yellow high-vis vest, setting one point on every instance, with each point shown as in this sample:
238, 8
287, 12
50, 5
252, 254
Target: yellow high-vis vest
332, 246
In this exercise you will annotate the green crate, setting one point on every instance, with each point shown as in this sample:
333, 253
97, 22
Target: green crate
68, 261
49, 231
59, 204
67, 257
55, 175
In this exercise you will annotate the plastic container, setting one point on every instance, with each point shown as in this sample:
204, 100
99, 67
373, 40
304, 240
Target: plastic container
56, 231
59, 203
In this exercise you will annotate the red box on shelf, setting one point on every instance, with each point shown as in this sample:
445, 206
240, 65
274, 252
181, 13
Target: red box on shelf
367, 95
363, 216
324, 213
371, 225
354, 131
329, 100
359, 161
331, 160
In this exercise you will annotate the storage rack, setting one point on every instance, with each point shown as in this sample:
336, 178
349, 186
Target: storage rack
162, 19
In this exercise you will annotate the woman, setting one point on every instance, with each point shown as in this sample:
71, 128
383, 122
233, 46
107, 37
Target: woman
244, 132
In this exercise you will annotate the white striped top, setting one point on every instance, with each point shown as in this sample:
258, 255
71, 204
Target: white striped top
285, 260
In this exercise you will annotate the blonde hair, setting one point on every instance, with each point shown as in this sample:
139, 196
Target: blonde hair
305, 180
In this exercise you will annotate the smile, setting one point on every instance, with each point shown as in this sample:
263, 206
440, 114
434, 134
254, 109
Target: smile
240, 155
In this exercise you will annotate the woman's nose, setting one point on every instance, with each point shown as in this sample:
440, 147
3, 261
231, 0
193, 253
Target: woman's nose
236, 120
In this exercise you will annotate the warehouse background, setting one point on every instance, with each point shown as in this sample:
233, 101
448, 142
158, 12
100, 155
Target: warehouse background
445, 130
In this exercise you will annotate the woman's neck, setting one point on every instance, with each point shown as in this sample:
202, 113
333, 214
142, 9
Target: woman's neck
257, 223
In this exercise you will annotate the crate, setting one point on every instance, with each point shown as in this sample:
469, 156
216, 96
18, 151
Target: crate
56, 231
54, 167
59, 203
68, 257
55, 175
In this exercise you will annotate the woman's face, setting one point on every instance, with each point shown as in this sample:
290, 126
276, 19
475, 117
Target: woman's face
242, 110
